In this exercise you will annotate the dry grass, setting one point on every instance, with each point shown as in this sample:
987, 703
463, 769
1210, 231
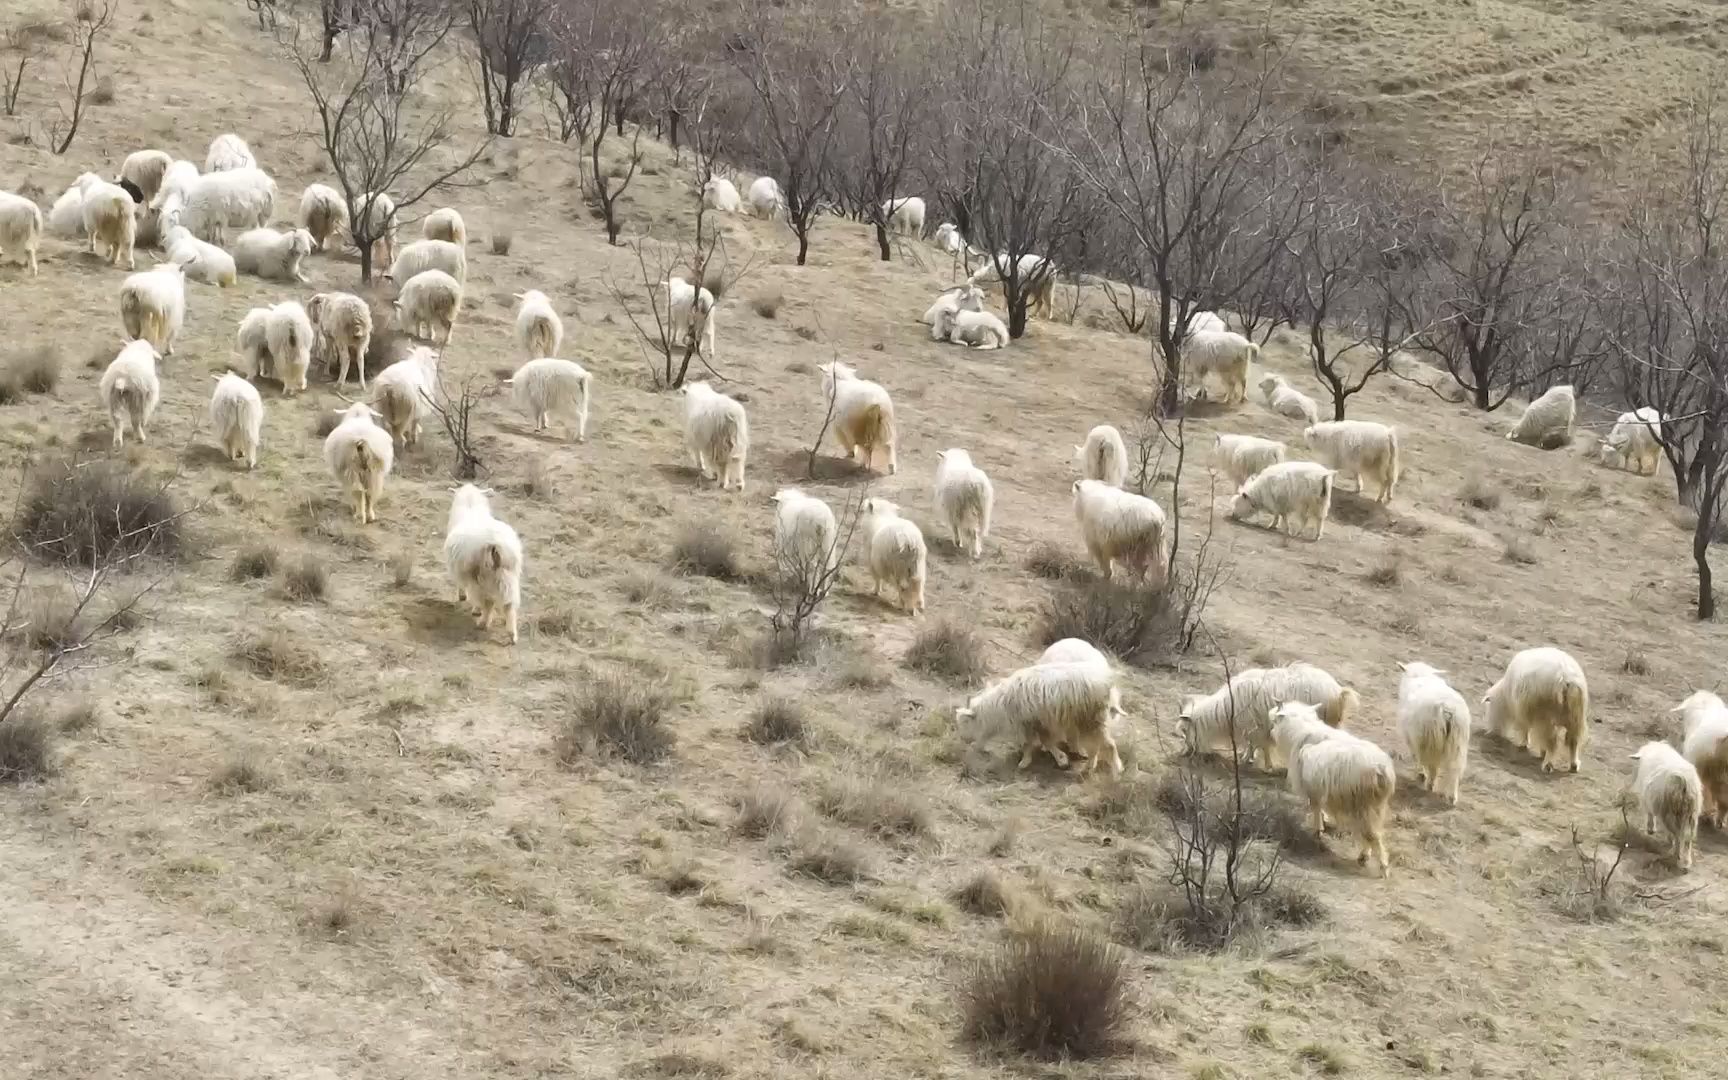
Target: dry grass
948, 650
875, 806
501, 239
307, 580
779, 721
1516, 549
33, 371
828, 856
240, 774
1135, 623
1387, 572
26, 746
257, 561
1635, 663
79, 714
1479, 493
279, 656
767, 303
706, 551
617, 716
1329, 1060
984, 893
53, 619
1052, 562
1054, 993
88, 513
402, 569
766, 811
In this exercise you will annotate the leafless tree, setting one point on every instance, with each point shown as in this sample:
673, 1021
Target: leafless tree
605, 56
803, 579
883, 118
372, 139
512, 38
455, 412
20, 46
670, 353
90, 25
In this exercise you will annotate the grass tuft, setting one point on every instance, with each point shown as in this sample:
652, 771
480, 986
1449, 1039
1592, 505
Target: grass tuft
26, 746
307, 580
876, 807
95, 512
279, 656
1055, 993
257, 561
777, 721
706, 551
238, 775
617, 716
948, 650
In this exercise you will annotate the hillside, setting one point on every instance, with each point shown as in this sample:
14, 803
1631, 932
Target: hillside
409, 883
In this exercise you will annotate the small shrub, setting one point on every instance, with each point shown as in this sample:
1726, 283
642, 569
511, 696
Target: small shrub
1054, 563
1288, 906
1635, 663
714, 280
1135, 806
863, 673
1329, 1060
240, 775
985, 893
707, 551
1386, 573
617, 716
34, 371
104, 92
540, 483
258, 561
307, 580
767, 303
829, 857
402, 569
279, 656
501, 239
1478, 492
26, 746
324, 422
1135, 622
778, 720
764, 811
335, 916
80, 714
876, 807
1516, 549
1055, 993
948, 650
53, 620
90, 513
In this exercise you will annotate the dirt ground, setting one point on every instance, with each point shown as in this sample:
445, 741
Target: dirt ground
415, 886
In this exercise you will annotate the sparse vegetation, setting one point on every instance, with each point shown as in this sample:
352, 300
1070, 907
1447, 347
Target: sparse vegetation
778, 721
875, 806
766, 811
830, 857
307, 580
33, 371
1387, 571
949, 650
91, 513
1055, 992
26, 747
241, 774
401, 569
1514, 548
1138, 624
277, 654
254, 562
707, 551
984, 893
1479, 493
501, 238
767, 303
1635, 663
1054, 563
616, 715
1328, 1059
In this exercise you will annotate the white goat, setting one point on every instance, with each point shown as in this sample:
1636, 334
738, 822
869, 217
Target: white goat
1547, 421
1238, 712
1035, 274
428, 306
377, 220
1286, 400
806, 537
717, 434
896, 553
424, 255
131, 391
445, 224
144, 169
1223, 353
1296, 494
863, 415
228, 152
153, 305
690, 312
976, 329
20, 229
1104, 457
215, 202
904, 215
110, 218
237, 415
1203, 322
66, 215
1344, 777
359, 455
721, 194
1635, 441
1049, 704
766, 200
539, 330
950, 300
1669, 791
272, 255
1240, 457
1361, 449
402, 394
323, 214
1121, 527
342, 323
201, 261
176, 187
965, 498
548, 387
1435, 722
1543, 704
290, 337
484, 559
1704, 741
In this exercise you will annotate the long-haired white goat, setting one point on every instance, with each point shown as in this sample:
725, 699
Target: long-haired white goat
863, 416
1704, 741
153, 305
1296, 494
484, 558
1340, 776
1236, 713
131, 391
1361, 449
896, 553
1047, 705
1669, 791
1121, 527
539, 330
550, 387
806, 538
1435, 722
359, 455
717, 433
403, 393
237, 415
965, 498
1103, 457
1543, 704
1547, 421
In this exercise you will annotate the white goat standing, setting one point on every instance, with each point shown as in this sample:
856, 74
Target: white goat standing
484, 559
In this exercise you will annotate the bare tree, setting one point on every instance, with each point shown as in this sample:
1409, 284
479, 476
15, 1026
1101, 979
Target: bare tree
604, 57
804, 578
512, 38
883, 118
456, 413
670, 350
373, 141
90, 24
334, 16
20, 46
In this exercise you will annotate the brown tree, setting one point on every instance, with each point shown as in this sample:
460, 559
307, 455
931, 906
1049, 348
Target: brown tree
604, 60
512, 38
883, 119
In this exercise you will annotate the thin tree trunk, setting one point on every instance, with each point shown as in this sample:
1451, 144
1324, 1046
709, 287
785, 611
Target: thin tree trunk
1701, 534
882, 241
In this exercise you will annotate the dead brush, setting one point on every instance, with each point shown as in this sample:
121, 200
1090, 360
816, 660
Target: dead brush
766, 811
1478, 492
828, 857
276, 654
1052, 993
26, 746
33, 371
984, 893
779, 721
876, 807
306, 581
1054, 563
252, 563
1137, 623
94, 512
614, 715
767, 303
948, 650
241, 774
706, 551
1386, 573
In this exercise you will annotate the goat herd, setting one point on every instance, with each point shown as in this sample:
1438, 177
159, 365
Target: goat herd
1065, 703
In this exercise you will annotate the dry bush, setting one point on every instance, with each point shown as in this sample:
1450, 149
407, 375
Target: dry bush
1156, 919
402, 569
1515, 549
33, 371
1136, 623
1635, 663
96, 512
765, 811
863, 673
306, 580
1052, 562
80, 714
541, 483
240, 774
948, 650
876, 807
103, 94
1479, 493
767, 303
52, 619
257, 561
1132, 806
1055, 993
617, 716
779, 720
708, 551
829, 857
278, 655
985, 893
501, 238
26, 746
1387, 572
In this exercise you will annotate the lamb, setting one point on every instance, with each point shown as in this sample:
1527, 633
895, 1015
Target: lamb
1668, 790
153, 305
965, 498
549, 387
1222, 353
957, 298
402, 394
1547, 421
721, 194
1344, 777
1121, 527
1104, 457
1244, 704
1036, 275
428, 306
977, 329
342, 324
110, 217
445, 224
131, 391
1243, 456
950, 239
1704, 742
1543, 704
424, 255
1048, 705
690, 312
229, 152
323, 214
359, 455
539, 331
288, 334
1636, 439
897, 556
806, 538
863, 415
377, 220
1435, 722
237, 414
484, 559
1358, 448
716, 433
766, 201
1295, 493
1286, 400
20, 229
144, 169
904, 215
273, 255
241, 199
201, 261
